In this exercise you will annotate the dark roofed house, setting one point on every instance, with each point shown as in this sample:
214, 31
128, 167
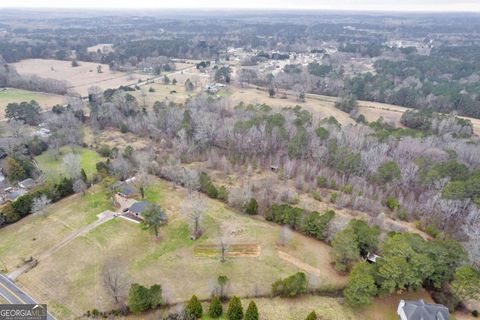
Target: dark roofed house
419, 310
138, 207
27, 184
126, 190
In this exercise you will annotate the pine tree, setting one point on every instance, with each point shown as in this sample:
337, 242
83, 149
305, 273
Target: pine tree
252, 312
311, 316
235, 310
83, 175
216, 309
194, 307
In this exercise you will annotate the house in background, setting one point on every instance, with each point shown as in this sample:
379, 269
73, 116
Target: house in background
27, 184
126, 190
419, 310
13, 194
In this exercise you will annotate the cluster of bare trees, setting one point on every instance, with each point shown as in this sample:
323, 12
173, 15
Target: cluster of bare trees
349, 157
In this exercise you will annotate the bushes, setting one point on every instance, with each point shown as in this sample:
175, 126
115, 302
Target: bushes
315, 225
392, 203
311, 316
252, 207
312, 224
285, 214
207, 186
361, 285
194, 307
322, 182
142, 299
215, 310
290, 287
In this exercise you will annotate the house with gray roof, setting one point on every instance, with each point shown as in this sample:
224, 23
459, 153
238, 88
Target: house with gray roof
126, 190
15, 194
419, 310
137, 208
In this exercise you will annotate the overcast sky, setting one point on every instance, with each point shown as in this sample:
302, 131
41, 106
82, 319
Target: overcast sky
387, 5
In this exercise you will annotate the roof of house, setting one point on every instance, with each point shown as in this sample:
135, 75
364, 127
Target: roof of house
126, 189
419, 310
27, 183
139, 206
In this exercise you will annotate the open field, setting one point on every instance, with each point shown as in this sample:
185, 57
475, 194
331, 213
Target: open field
35, 234
53, 167
45, 100
324, 106
79, 78
70, 279
163, 92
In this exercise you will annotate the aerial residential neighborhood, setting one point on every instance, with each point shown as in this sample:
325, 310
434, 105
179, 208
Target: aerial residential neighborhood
241, 161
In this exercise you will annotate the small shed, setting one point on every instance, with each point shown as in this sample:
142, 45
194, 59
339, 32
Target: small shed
372, 257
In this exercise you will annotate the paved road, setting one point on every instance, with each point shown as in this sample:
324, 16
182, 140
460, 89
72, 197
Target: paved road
14, 295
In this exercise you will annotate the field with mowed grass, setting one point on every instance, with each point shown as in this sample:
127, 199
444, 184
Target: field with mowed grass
53, 166
36, 234
70, 280
45, 100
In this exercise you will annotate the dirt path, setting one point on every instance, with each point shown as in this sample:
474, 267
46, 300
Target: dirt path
102, 218
300, 264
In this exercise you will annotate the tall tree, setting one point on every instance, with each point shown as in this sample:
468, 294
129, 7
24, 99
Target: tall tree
154, 217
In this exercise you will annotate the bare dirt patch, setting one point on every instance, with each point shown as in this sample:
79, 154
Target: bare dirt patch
232, 250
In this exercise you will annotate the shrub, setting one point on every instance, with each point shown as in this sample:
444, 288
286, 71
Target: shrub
333, 197
322, 182
402, 214
194, 307
215, 310
317, 196
392, 203
432, 230
223, 193
252, 206
316, 225
104, 150
475, 313
142, 299
292, 286
348, 188
235, 310
285, 214
123, 128
361, 285
252, 312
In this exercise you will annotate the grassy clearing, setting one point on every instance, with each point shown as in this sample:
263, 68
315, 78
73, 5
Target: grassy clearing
46, 101
79, 78
70, 280
35, 234
53, 167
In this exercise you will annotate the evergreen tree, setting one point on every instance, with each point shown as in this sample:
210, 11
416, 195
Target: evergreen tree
252, 207
252, 312
311, 316
235, 310
194, 307
216, 309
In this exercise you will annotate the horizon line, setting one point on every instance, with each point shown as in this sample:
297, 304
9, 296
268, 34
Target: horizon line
122, 8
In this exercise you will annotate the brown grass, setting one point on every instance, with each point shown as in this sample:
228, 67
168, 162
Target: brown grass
80, 78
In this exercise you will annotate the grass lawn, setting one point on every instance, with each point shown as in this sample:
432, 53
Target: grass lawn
53, 167
35, 234
70, 280
46, 101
